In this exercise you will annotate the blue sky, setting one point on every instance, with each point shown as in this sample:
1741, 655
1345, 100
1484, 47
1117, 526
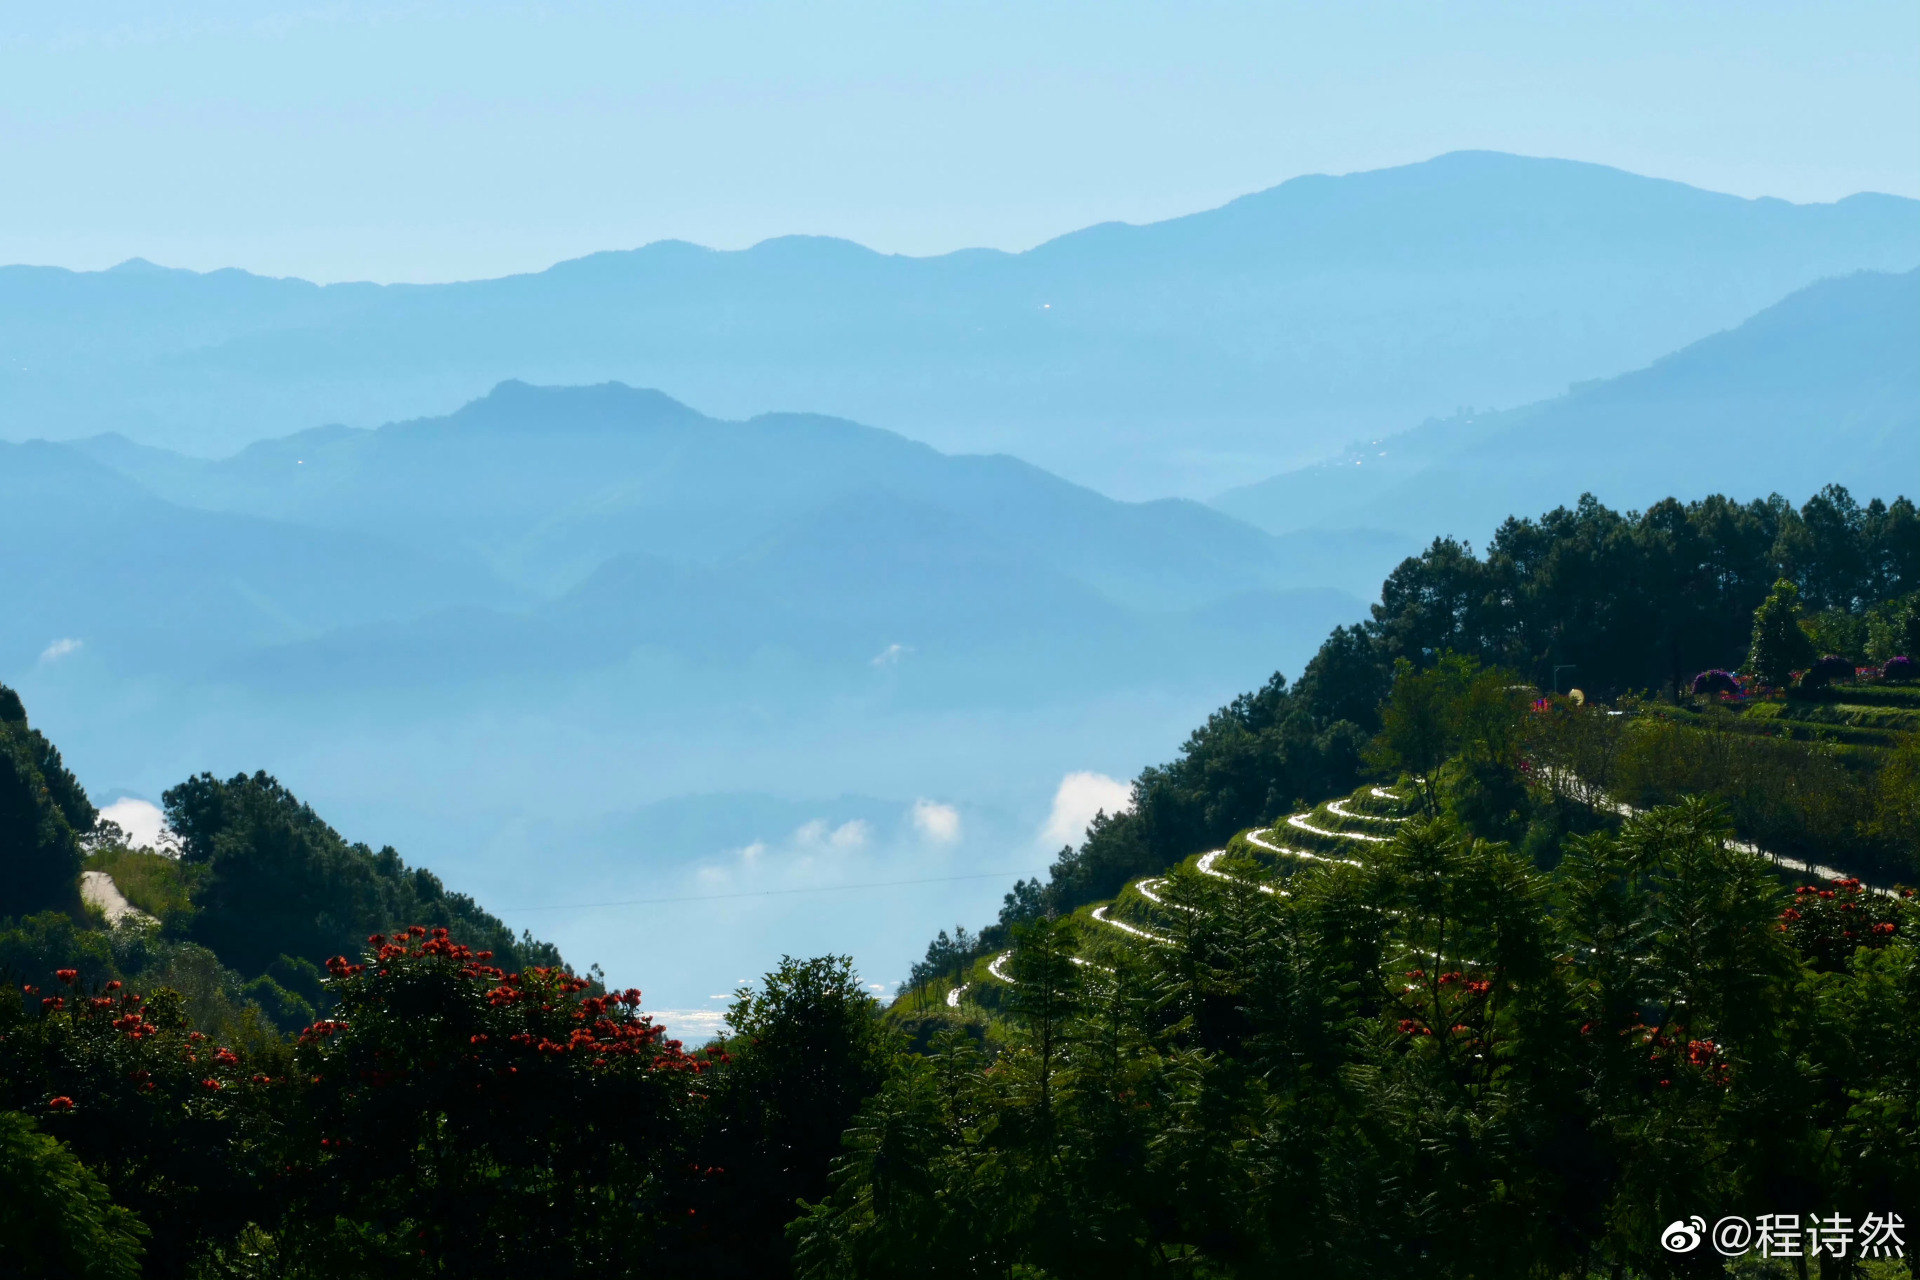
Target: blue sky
435, 141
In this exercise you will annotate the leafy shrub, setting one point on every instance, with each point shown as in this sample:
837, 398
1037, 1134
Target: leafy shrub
57, 1220
1826, 671
1900, 670
1715, 682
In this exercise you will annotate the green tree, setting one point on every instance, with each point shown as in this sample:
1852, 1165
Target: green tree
808, 1048
43, 813
1416, 725
57, 1220
887, 1216
1779, 646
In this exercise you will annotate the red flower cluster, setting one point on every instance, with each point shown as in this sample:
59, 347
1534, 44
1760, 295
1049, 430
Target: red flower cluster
134, 1025
61, 1103
68, 976
321, 1030
1828, 923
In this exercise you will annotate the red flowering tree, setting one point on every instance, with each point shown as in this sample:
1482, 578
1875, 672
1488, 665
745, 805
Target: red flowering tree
484, 1123
1828, 922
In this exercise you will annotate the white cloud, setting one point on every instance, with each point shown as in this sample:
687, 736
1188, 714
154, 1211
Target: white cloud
751, 854
939, 823
1079, 798
695, 1026
60, 649
144, 823
848, 835
891, 655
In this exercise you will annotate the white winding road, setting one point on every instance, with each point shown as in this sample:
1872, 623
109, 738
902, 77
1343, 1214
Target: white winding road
1255, 839
1299, 821
1339, 807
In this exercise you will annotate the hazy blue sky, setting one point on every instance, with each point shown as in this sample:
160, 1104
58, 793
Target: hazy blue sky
435, 141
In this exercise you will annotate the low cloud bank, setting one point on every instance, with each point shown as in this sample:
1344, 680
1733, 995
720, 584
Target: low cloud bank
144, 823
939, 823
1079, 798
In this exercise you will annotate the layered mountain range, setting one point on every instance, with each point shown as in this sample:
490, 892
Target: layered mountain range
543, 531
1182, 357
1822, 387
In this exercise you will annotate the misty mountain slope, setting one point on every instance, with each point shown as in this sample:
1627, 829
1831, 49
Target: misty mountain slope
871, 596
1822, 387
88, 556
545, 484
1178, 357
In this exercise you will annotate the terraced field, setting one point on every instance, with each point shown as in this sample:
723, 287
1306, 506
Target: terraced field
1341, 831
1344, 831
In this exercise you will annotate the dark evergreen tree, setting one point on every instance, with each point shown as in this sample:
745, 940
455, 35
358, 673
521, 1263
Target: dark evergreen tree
43, 813
808, 1048
1779, 646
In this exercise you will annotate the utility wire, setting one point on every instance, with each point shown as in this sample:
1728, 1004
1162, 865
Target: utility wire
760, 893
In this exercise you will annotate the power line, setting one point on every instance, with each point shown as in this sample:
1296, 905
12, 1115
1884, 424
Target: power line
761, 893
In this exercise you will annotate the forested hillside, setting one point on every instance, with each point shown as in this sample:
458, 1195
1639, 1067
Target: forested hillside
1613, 604
242, 915
1582, 967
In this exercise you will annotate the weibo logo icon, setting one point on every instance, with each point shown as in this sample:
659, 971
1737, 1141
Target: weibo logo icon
1683, 1234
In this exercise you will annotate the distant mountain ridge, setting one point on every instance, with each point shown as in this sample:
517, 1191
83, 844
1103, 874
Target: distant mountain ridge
540, 534
544, 484
1178, 357
1822, 387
